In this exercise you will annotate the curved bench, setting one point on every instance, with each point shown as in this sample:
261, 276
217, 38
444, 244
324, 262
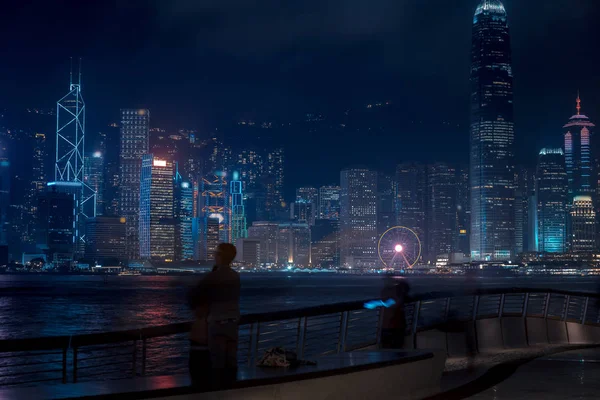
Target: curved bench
355, 375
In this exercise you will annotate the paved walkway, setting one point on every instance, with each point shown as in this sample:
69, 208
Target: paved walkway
569, 375
485, 374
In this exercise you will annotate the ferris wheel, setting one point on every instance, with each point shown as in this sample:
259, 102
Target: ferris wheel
399, 248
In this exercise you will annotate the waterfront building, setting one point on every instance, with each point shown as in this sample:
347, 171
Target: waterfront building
248, 252
105, 239
266, 232
69, 164
551, 191
463, 212
156, 223
238, 210
111, 170
441, 210
580, 160
134, 144
4, 199
386, 203
293, 244
579, 154
329, 202
358, 218
183, 214
525, 236
56, 212
411, 179
492, 170
214, 214
273, 185
309, 196
325, 249
583, 220
94, 177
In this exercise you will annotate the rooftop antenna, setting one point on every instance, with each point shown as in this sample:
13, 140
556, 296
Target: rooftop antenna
71, 73
578, 107
79, 83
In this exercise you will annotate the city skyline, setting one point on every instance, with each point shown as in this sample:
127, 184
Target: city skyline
241, 175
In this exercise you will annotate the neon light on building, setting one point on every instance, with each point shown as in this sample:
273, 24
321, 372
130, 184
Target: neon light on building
69, 165
238, 212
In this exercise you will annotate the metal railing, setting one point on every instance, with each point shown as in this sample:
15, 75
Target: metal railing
313, 331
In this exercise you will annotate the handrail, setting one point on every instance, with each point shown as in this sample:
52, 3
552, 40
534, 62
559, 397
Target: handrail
61, 342
313, 331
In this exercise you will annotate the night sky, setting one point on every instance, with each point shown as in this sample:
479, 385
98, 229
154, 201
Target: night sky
199, 63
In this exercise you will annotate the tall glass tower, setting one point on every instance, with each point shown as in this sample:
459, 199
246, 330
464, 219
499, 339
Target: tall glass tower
552, 201
135, 139
156, 228
492, 136
579, 154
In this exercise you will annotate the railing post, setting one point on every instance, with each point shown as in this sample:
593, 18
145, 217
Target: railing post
75, 364
341, 347
501, 308
254, 344
447, 310
299, 336
416, 322
304, 336
134, 360
250, 341
475, 307
379, 326
585, 307
566, 309
144, 346
525, 304
547, 306
64, 365
524, 316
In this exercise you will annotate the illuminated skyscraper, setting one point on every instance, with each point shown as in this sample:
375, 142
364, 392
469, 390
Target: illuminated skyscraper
307, 200
111, 170
94, 177
250, 164
386, 203
525, 232
183, 213
583, 220
69, 165
552, 201
156, 224
4, 199
329, 202
463, 212
492, 135
214, 214
579, 154
238, 212
274, 184
134, 145
411, 193
38, 165
441, 211
358, 218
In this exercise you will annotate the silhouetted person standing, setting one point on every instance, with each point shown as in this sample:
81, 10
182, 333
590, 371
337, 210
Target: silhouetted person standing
220, 289
393, 324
